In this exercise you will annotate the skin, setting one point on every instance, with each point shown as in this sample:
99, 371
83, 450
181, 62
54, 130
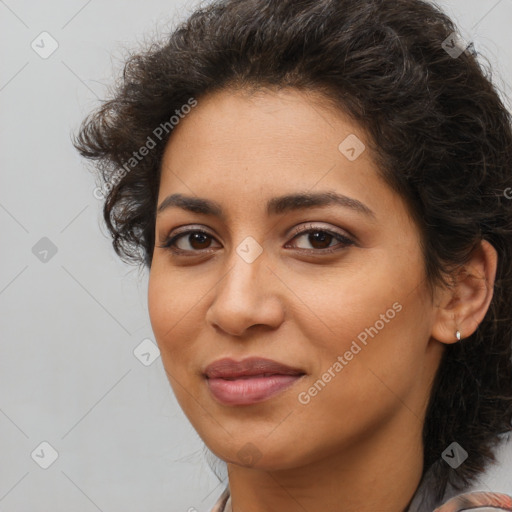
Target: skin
356, 446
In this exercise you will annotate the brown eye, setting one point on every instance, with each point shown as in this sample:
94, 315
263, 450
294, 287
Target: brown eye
191, 241
197, 240
320, 240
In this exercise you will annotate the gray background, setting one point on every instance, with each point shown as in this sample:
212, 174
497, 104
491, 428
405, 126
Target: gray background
71, 321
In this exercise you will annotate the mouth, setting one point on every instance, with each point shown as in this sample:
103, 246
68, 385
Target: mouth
249, 381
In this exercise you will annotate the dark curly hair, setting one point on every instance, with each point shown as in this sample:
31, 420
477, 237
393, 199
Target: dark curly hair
436, 127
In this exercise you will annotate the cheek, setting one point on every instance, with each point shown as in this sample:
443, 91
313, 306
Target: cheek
171, 317
374, 316
335, 305
168, 314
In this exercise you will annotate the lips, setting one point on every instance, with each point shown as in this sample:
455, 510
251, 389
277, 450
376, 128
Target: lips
231, 369
249, 381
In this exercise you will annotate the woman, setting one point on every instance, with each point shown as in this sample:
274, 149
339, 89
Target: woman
318, 189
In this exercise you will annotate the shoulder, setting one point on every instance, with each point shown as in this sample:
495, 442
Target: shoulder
478, 502
497, 476
491, 491
223, 504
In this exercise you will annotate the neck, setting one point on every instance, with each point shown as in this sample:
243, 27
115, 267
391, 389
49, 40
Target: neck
381, 472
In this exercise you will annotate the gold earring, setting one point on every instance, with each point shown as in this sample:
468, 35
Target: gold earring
457, 335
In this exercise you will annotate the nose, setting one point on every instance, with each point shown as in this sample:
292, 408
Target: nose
249, 295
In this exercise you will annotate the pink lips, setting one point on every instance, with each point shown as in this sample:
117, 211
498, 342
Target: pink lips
249, 381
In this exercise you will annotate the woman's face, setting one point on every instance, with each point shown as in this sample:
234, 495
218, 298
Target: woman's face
333, 289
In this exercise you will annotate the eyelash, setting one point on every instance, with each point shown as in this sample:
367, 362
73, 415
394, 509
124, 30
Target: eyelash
169, 243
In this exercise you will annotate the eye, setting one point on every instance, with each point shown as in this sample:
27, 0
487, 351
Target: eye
320, 239
196, 241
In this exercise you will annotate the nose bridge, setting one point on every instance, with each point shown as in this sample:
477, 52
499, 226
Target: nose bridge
242, 296
246, 264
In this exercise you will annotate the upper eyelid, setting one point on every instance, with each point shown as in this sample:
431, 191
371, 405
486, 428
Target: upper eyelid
295, 231
302, 229
311, 226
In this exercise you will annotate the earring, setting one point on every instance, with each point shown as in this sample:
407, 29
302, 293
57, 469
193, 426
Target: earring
457, 335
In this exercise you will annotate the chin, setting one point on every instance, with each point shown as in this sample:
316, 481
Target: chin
259, 455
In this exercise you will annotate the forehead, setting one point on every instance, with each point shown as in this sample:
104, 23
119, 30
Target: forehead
247, 149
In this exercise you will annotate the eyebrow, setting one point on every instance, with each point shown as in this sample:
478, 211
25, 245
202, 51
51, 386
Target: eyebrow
275, 206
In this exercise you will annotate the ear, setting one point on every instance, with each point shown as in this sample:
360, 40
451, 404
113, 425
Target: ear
463, 306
